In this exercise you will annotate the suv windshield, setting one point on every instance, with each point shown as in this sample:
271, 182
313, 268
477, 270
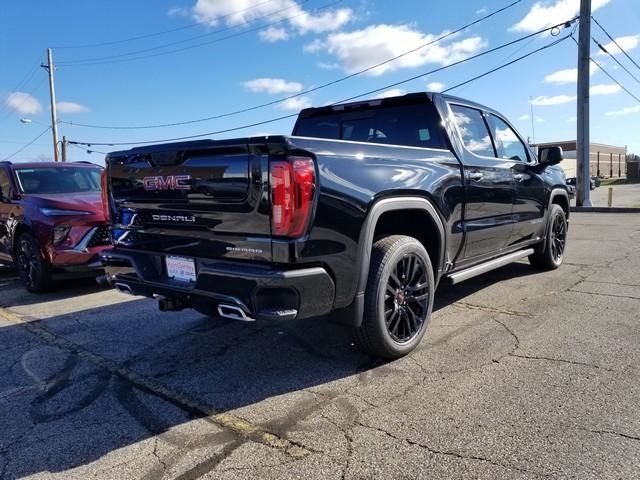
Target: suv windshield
41, 180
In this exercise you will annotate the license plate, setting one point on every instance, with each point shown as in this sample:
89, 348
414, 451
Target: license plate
180, 268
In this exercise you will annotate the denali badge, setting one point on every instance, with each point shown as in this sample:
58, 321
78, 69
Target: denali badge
170, 182
174, 218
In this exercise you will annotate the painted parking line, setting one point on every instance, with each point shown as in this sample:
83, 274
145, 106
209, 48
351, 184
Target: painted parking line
237, 425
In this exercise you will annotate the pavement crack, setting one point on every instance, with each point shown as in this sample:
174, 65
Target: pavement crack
610, 432
244, 429
511, 332
484, 308
630, 297
561, 360
155, 454
447, 453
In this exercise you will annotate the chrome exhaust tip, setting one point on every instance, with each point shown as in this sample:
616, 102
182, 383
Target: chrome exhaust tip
233, 312
123, 287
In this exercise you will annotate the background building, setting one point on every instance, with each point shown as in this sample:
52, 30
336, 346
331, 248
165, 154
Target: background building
605, 160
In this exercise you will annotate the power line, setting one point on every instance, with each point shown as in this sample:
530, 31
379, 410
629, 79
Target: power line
112, 58
26, 145
370, 92
609, 75
616, 81
489, 72
87, 150
154, 34
310, 90
615, 59
616, 43
81, 63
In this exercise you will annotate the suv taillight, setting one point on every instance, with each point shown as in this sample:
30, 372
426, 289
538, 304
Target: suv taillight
105, 196
292, 190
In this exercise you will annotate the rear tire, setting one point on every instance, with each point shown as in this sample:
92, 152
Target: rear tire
556, 241
33, 270
398, 298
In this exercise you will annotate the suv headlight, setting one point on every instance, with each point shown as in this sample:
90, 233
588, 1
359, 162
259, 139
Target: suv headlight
57, 212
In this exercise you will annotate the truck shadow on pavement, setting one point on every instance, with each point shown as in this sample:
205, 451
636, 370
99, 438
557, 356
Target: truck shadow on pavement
78, 386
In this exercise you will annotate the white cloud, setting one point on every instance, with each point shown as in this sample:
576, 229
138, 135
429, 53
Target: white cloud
23, 103
524, 117
328, 66
570, 75
272, 86
540, 120
546, 14
71, 107
436, 86
394, 92
241, 12
482, 11
178, 12
274, 34
295, 104
544, 100
360, 49
624, 111
572, 119
627, 43
605, 89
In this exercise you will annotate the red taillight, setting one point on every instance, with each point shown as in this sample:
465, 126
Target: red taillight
292, 189
105, 195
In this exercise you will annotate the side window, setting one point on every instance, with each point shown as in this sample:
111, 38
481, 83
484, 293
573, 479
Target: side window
5, 184
507, 141
473, 130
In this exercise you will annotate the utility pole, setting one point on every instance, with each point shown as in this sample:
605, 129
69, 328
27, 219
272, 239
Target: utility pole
533, 121
583, 141
64, 148
52, 95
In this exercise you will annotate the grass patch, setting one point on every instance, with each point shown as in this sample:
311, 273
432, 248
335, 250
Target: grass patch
608, 182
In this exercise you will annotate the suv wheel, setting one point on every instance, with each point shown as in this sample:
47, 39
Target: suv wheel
551, 257
34, 272
398, 298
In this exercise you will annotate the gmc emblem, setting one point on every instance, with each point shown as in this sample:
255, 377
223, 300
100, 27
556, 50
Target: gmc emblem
170, 182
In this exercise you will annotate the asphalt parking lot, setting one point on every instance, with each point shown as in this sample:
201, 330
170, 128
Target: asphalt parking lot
522, 374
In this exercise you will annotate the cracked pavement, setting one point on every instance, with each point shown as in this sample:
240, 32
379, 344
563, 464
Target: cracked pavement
521, 374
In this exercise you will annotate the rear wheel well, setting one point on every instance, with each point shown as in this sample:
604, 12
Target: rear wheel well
563, 202
414, 223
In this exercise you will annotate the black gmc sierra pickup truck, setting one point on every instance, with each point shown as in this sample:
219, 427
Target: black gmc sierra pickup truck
360, 214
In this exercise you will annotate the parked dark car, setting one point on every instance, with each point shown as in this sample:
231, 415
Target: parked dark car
52, 221
593, 183
360, 215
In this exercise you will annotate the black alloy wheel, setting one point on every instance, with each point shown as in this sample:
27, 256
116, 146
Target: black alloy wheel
549, 256
406, 299
558, 238
398, 298
32, 268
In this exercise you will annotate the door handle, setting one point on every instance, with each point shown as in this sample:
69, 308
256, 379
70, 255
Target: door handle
518, 177
476, 176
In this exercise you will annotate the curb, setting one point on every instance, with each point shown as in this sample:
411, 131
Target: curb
605, 209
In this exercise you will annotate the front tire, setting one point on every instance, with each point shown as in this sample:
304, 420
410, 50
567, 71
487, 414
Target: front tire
556, 241
398, 298
33, 270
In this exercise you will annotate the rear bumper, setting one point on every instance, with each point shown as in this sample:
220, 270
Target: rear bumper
261, 291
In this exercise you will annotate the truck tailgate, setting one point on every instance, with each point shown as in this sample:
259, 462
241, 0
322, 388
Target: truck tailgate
188, 199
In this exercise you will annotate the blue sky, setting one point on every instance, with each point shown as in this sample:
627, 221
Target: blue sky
256, 51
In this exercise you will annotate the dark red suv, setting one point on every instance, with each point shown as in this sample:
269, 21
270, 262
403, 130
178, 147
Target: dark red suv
52, 221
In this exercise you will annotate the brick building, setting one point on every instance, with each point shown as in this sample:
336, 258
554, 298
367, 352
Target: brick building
605, 160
